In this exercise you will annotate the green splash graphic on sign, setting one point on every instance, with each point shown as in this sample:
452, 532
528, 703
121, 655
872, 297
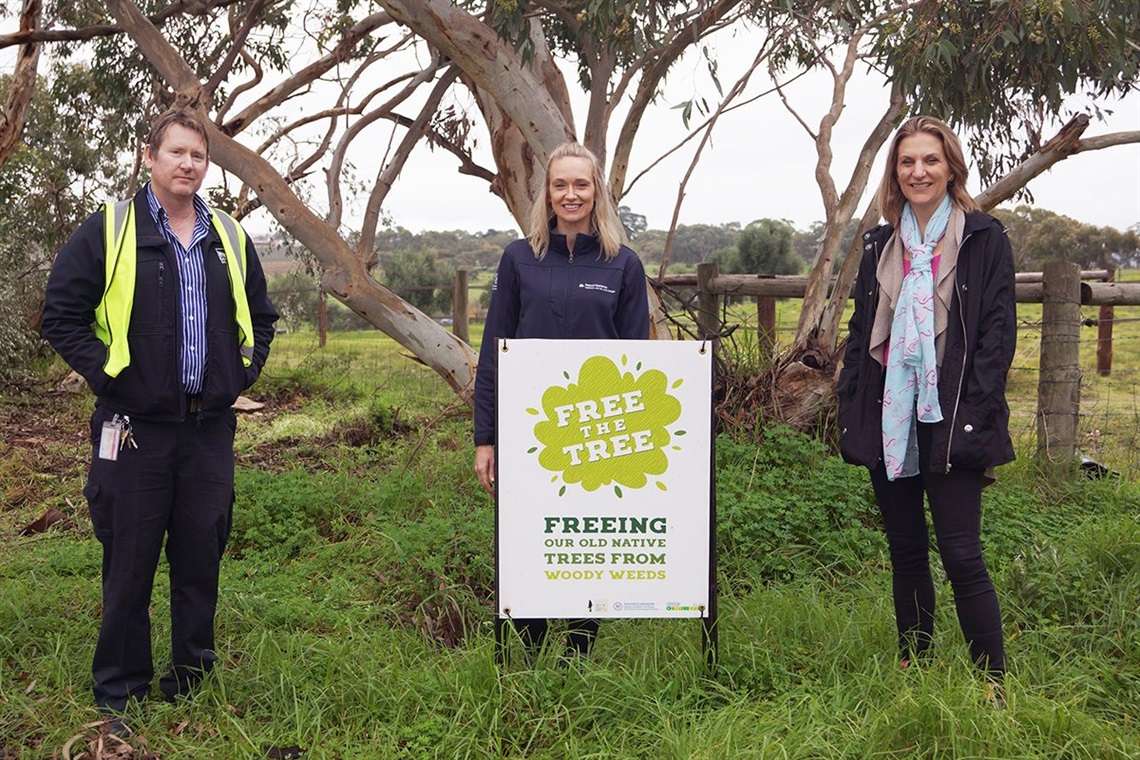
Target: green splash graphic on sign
608, 428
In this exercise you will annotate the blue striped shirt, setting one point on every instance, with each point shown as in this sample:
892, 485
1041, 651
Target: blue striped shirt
192, 282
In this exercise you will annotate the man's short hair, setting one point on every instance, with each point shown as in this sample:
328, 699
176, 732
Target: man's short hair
183, 117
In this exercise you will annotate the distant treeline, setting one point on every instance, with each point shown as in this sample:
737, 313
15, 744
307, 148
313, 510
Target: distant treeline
419, 266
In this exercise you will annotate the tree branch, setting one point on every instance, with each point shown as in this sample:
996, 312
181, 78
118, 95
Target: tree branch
249, 84
489, 61
734, 93
337, 160
813, 316
344, 50
180, 7
388, 174
1062, 145
1067, 142
23, 84
1107, 141
651, 75
237, 43
699, 130
467, 165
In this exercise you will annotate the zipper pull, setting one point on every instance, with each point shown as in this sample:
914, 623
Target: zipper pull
161, 272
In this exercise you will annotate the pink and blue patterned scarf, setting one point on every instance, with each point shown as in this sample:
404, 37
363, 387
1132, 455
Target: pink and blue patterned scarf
912, 369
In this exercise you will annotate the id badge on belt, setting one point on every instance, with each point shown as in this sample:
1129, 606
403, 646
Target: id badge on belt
117, 435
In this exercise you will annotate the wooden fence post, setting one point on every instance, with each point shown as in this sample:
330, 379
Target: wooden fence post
1104, 334
708, 315
459, 305
1059, 386
765, 324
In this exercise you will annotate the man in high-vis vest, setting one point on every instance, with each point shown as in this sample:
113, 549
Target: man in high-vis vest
160, 303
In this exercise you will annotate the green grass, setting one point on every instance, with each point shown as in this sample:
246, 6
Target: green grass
1109, 426
355, 617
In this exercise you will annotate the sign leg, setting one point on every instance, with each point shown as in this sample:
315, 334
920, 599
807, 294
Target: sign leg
709, 641
500, 644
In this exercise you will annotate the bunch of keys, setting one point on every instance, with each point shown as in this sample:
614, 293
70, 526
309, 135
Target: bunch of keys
128, 435
117, 435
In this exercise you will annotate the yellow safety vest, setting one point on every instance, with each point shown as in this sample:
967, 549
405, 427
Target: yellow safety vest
113, 314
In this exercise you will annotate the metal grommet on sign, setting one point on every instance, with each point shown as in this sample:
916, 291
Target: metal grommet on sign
504, 348
702, 351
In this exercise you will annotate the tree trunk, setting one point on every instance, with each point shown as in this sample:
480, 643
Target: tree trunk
23, 85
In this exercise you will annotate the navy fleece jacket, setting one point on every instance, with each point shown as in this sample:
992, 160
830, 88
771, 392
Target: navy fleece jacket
562, 295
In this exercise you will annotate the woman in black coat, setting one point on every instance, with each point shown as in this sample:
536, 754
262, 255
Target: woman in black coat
922, 390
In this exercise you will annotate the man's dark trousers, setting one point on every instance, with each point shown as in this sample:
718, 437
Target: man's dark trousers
178, 483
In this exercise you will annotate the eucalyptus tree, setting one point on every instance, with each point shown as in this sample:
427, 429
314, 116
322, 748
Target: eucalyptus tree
1000, 70
300, 93
293, 90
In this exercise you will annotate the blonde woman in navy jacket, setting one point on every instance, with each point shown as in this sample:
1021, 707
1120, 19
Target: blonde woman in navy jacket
960, 349
572, 277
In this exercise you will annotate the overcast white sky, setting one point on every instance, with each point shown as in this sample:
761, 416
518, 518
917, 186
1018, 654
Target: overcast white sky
761, 164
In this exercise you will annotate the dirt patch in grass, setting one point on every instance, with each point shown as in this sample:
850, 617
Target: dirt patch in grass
43, 456
326, 453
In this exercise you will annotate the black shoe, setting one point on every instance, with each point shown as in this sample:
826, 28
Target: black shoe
117, 727
182, 681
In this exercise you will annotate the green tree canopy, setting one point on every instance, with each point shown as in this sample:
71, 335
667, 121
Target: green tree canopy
766, 247
1038, 236
418, 278
53, 179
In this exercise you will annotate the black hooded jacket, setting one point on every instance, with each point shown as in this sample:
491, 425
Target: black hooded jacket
981, 333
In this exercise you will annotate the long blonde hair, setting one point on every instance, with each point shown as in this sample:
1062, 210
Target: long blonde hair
604, 219
891, 198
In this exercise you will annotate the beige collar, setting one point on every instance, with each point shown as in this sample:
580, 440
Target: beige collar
890, 277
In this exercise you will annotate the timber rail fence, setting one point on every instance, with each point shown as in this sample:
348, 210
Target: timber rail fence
1062, 288
1055, 408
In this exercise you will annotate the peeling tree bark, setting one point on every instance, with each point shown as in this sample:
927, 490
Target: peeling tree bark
518, 158
23, 87
490, 62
